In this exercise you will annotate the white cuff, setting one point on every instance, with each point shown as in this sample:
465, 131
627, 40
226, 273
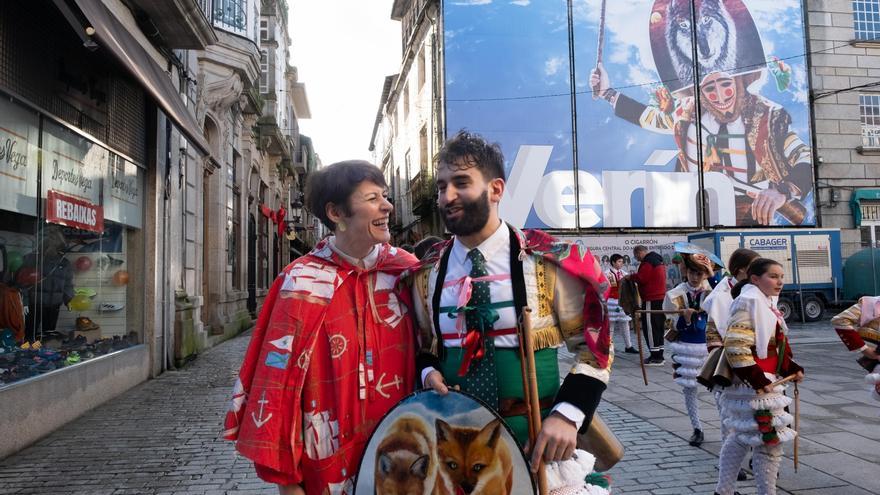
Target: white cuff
571, 413
425, 374
861, 349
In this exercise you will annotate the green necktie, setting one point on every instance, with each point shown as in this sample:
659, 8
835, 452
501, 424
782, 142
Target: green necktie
481, 379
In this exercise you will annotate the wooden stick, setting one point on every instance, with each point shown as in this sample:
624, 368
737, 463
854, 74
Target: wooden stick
661, 311
783, 380
637, 319
523, 366
532, 394
797, 423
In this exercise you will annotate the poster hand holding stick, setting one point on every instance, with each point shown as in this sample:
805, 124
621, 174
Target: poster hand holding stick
597, 89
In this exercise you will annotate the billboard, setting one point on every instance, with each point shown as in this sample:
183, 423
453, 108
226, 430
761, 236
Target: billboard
594, 107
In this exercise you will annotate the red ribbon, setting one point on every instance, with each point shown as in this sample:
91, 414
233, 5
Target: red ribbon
472, 348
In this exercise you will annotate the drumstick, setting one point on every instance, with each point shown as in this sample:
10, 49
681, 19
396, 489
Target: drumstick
523, 367
783, 380
532, 397
638, 328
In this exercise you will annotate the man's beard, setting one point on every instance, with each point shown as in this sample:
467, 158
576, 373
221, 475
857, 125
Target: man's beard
473, 217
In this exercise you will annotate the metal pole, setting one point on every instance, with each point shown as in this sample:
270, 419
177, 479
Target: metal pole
874, 263
797, 277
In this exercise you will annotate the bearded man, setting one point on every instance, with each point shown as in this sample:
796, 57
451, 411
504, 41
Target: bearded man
470, 290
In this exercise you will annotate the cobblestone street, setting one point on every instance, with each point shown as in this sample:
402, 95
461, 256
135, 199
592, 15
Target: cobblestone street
162, 437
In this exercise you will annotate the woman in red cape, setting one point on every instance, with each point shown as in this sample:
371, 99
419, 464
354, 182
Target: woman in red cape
333, 348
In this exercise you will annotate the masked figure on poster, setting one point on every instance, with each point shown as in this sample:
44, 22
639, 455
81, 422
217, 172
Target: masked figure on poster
742, 134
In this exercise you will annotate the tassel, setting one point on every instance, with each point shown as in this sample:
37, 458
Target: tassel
546, 337
599, 479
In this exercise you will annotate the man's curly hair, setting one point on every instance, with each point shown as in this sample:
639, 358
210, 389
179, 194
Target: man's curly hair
466, 150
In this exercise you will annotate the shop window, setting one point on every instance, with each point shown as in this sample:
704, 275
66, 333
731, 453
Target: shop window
66, 250
866, 19
869, 110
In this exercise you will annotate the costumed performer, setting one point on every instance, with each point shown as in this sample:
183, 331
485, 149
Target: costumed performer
469, 293
334, 346
687, 342
619, 319
859, 328
757, 348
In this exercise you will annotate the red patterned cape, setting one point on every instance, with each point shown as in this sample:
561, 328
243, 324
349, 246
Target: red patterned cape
578, 262
332, 351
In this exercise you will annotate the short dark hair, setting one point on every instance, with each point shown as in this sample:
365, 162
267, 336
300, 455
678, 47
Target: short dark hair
466, 150
335, 183
639, 249
740, 260
615, 257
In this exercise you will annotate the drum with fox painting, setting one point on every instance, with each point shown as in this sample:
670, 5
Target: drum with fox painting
445, 445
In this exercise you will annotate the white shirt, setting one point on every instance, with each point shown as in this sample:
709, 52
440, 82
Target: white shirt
369, 261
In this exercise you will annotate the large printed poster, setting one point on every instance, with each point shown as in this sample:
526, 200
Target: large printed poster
647, 149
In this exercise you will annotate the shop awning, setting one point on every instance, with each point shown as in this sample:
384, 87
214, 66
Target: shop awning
112, 35
855, 202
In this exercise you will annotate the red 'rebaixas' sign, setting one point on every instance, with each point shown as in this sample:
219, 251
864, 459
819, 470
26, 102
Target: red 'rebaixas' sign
74, 212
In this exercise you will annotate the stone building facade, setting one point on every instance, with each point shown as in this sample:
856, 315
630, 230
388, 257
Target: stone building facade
845, 59
408, 130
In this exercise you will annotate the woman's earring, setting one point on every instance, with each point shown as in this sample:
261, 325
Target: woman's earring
341, 226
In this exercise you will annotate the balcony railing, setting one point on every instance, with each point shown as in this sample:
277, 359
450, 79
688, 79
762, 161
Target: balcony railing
871, 136
228, 15
423, 193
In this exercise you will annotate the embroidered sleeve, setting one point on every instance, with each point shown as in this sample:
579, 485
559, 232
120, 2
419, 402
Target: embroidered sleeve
740, 339
846, 324
568, 304
426, 341
738, 344
713, 338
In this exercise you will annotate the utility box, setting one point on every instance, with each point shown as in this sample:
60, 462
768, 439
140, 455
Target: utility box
811, 259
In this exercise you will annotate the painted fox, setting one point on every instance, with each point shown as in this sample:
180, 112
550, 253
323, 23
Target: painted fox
405, 459
472, 460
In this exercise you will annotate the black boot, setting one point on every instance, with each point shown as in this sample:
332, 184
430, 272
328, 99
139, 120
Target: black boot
697, 438
742, 475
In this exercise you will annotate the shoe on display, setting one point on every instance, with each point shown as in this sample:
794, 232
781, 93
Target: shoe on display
108, 261
631, 350
697, 438
7, 338
85, 291
72, 358
84, 324
108, 307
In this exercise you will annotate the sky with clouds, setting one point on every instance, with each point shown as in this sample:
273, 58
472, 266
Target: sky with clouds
343, 49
